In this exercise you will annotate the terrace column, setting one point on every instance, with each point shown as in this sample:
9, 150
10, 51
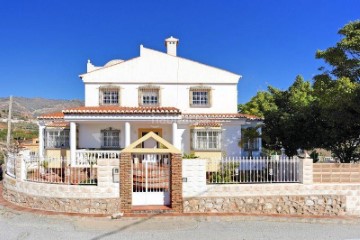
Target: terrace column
73, 142
41, 140
127, 134
175, 141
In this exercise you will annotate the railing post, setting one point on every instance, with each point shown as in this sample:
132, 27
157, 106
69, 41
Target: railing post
306, 170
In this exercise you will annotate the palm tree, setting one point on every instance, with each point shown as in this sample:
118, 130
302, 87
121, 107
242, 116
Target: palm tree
248, 137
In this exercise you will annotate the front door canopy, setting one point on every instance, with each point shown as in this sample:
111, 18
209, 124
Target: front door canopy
167, 147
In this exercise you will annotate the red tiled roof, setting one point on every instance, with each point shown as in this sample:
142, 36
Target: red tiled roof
58, 124
220, 116
122, 110
55, 115
207, 124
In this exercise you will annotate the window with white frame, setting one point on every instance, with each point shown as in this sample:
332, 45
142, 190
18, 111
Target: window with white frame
110, 138
252, 145
200, 96
57, 138
109, 96
203, 139
149, 96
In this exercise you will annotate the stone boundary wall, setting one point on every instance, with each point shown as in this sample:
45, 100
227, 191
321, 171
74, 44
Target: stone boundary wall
336, 173
102, 198
69, 205
350, 192
319, 205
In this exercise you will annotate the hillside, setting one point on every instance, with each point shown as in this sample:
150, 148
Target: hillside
24, 108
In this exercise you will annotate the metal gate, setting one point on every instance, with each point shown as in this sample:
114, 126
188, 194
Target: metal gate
151, 179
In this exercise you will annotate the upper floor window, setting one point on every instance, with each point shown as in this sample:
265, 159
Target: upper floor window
203, 139
57, 138
200, 96
109, 96
110, 138
149, 96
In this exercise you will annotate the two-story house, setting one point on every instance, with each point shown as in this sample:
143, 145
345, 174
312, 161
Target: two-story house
189, 104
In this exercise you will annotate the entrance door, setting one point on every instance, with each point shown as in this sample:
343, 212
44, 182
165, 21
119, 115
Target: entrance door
151, 179
151, 143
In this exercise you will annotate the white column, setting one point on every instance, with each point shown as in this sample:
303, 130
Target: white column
73, 142
127, 134
174, 139
41, 141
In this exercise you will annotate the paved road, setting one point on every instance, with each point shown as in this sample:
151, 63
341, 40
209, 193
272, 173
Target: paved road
19, 225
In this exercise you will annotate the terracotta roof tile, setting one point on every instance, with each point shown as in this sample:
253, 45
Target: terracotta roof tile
58, 124
55, 115
207, 124
122, 110
220, 116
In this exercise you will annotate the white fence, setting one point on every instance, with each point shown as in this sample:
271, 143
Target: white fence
60, 171
252, 170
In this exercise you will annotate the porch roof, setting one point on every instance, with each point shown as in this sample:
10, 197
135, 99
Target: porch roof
54, 115
219, 116
122, 110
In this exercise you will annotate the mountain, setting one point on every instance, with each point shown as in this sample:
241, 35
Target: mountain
29, 108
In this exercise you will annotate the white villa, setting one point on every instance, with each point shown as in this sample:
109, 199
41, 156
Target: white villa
191, 105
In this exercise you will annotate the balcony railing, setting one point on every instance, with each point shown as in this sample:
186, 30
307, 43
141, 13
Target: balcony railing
89, 157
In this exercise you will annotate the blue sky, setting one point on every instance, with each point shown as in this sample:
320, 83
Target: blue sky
44, 45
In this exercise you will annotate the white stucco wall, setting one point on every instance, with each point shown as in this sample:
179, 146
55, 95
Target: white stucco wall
231, 134
223, 100
230, 137
183, 134
89, 134
174, 75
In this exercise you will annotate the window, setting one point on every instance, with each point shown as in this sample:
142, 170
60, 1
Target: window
206, 139
110, 138
252, 145
57, 138
200, 96
149, 96
109, 96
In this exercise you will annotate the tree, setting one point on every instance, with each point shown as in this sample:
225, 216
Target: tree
287, 125
339, 124
258, 105
344, 57
248, 137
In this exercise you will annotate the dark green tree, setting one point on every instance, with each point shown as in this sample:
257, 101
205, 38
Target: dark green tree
344, 57
258, 105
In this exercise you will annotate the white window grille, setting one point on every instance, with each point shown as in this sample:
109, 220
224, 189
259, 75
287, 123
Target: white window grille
200, 96
57, 138
149, 96
110, 138
206, 139
109, 96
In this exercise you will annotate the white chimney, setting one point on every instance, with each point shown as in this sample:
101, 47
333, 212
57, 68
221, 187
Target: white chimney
171, 45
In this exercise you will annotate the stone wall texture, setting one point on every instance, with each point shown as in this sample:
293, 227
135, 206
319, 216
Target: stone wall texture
336, 172
324, 205
69, 205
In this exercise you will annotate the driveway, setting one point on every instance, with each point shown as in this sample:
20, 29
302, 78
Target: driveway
24, 225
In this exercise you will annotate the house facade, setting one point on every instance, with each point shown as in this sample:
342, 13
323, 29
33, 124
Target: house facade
191, 105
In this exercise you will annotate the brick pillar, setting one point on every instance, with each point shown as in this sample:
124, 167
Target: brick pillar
125, 182
176, 183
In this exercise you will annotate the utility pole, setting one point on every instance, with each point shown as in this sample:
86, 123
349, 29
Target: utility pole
8, 140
